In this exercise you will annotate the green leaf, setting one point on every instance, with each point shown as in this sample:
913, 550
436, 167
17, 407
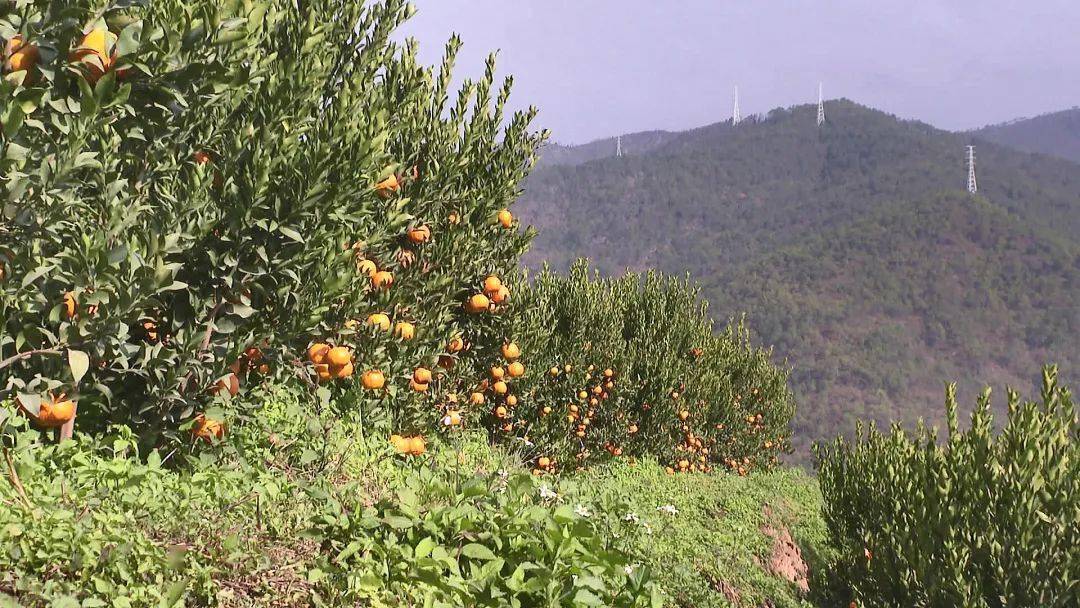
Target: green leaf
292, 234
79, 362
477, 551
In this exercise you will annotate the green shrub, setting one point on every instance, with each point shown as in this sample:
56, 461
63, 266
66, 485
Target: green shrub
215, 190
653, 335
983, 519
488, 540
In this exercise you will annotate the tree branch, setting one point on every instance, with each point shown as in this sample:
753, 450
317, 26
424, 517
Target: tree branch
30, 353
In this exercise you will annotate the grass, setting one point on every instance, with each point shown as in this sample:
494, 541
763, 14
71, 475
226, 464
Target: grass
220, 526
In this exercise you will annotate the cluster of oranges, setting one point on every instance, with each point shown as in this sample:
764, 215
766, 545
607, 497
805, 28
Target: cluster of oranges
380, 279
694, 454
410, 446
331, 362
95, 55
498, 385
582, 409
494, 294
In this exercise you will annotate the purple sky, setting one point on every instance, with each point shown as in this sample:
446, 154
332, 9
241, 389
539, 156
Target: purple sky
597, 68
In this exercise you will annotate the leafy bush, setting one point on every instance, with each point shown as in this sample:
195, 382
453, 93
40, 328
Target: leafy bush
196, 190
488, 540
984, 519
91, 522
630, 366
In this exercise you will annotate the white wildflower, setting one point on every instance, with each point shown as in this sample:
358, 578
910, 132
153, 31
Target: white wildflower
582, 511
628, 569
631, 517
669, 509
547, 493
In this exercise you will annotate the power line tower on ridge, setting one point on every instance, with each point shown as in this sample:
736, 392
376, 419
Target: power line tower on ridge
820, 106
618, 147
973, 186
736, 116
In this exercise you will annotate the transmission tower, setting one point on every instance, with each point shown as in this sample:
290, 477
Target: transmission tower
973, 187
618, 147
736, 116
820, 106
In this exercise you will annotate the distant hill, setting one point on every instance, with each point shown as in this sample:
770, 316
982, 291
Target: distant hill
853, 248
633, 144
1056, 134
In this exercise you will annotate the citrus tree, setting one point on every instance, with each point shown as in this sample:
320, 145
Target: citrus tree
596, 368
196, 193
984, 518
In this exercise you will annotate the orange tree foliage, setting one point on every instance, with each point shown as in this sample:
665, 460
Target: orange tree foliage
195, 191
629, 366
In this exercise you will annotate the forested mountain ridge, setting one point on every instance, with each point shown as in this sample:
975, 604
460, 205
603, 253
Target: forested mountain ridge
1056, 134
852, 247
632, 144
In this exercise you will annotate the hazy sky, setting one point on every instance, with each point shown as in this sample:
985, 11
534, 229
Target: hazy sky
597, 68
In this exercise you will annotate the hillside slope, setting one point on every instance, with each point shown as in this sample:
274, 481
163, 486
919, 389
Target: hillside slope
633, 144
852, 248
1056, 134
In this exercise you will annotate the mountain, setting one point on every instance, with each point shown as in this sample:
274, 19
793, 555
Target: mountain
1056, 134
632, 144
854, 248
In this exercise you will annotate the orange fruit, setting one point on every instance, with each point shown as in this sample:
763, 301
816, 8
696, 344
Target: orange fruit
452, 418
582, 395
497, 372
405, 330
500, 387
420, 234
446, 362
322, 370
633, 429
207, 429
373, 380
344, 371
417, 446
317, 352
516, 369
476, 398
546, 410
70, 305
96, 53
608, 373
510, 351
455, 345
230, 383
382, 279
388, 186
422, 375
505, 218
368, 268
543, 462
554, 372
501, 296
20, 54
511, 400
201, 157
500, 412
492, 284
683, 415
338, 356
477, 303
379, 320
420, 387
401, 444
453, 218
